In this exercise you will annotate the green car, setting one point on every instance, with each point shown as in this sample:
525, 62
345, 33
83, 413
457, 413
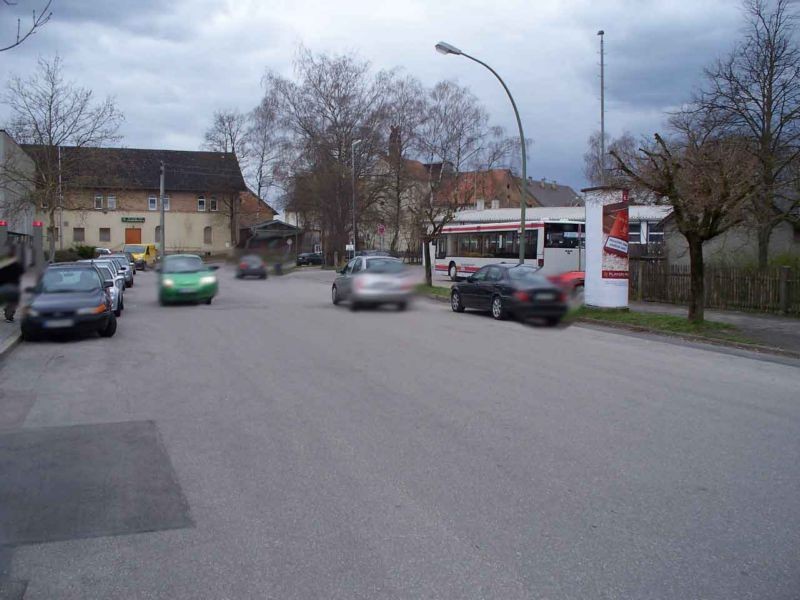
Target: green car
184, 278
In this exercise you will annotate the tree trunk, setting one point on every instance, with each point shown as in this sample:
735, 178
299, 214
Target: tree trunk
51, 234
764, 233
697, 275
426, 252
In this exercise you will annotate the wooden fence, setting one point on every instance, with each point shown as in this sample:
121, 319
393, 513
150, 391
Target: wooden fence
773, 290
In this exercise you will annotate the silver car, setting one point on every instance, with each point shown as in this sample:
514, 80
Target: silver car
372, 281
117, 292
127, 270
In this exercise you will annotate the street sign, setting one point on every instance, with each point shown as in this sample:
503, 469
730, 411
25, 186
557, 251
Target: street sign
288, 241
381, 229
133, 219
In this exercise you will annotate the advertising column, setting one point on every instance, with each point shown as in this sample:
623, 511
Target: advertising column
606, 247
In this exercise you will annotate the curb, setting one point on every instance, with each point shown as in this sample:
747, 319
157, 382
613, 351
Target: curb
437, 298
691, 338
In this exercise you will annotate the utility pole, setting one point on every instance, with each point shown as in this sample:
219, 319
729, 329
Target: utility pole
601, 33
353, 165
60, 205
161, 200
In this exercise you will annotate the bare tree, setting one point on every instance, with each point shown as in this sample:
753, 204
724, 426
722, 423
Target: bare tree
49, 113
228, 133
593, 165
450, 140
334, 114
705, 175
266, 145
406, 113
37, 21
755, 93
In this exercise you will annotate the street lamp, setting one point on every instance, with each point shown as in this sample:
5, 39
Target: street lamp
353, 168
445, 48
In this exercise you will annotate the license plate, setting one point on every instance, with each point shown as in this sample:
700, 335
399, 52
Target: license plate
56, 323
186, 291
546, 296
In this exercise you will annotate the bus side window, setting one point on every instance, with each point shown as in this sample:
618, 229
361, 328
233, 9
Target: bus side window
441, 247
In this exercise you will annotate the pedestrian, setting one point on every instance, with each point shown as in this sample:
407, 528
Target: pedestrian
11, 271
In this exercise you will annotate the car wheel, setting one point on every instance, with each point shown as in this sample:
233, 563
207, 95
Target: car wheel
263, 276
354, 306
453, 272
498, 310
402, 306
335, 295
28, 335
552, 321
209, 300
144, 267
118, 312
111, 327
132, 282
455, 302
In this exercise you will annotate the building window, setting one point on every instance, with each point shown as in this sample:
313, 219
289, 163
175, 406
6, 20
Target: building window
495, 203
158, 234
634, 233
655, 233
212, 204
105, 234
98, 202
166, 203
207, 234
111, 202
201, 204
78, 234
152, 203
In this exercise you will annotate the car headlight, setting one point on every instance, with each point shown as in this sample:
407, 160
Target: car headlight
31, 312
167, 282
92, 310
208, 279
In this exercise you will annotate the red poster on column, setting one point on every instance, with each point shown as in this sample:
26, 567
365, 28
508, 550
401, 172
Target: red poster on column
615, 240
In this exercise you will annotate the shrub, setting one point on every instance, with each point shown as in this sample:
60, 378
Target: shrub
68, 255
84, 251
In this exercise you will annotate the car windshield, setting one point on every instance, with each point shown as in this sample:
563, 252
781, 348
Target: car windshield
251, 260
384, 265
183, 264
526, 275
59, 281
134, 249
106, 272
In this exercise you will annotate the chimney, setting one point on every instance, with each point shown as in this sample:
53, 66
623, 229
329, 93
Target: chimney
541, 183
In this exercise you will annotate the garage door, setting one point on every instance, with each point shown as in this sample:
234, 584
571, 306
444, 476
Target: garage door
133, 235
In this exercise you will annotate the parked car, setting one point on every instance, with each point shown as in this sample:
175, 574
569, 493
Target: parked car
371, 281
309, 258
571, 282
516, 290
185, 278
116, 292
101, 251
131, 261
69, 298
144, 255
251, 265
124, 266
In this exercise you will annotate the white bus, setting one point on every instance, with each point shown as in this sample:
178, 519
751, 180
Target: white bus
556, 246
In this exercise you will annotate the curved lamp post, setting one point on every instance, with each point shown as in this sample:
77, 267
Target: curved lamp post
445, 48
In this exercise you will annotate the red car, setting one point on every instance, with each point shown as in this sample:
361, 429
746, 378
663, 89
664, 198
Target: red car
571, 281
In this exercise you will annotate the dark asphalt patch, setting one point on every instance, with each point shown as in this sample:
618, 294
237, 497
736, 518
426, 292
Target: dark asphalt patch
63, 483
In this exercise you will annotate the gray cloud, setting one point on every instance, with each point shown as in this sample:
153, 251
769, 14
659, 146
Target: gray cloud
170, 64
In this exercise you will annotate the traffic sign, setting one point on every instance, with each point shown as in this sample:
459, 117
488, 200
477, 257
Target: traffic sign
381, 229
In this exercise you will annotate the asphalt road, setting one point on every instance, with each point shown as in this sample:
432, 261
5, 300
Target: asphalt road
329, 454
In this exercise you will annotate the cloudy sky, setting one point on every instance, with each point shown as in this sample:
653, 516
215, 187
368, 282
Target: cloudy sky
171, 64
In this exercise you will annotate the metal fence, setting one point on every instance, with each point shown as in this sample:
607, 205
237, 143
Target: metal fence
772, 290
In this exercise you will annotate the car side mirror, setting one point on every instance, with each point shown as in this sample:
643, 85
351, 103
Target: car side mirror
471, 279
213, 267
108, 283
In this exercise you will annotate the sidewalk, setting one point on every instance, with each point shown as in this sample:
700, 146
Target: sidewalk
770, 330
9, 332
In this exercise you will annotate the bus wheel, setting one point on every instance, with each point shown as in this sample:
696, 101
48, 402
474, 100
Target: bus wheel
453, 272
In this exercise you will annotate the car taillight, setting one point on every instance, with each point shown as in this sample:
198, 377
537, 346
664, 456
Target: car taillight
522, 296
242, 265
